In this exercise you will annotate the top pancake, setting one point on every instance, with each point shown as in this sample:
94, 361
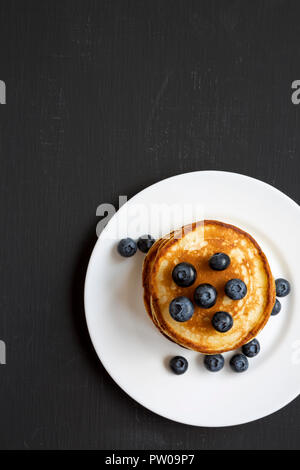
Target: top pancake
197, 244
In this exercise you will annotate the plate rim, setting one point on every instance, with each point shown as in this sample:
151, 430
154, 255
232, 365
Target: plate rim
153, 409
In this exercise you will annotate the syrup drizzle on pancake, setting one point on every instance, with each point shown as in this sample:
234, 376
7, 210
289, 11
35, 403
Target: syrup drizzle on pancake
196, 246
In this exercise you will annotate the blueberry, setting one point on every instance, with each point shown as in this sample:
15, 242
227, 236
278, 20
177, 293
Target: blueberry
276, 308
145, 242
235, 289
219, 261
239, 363
179, 365
251, 349
127, 247
283, 287
181, 309
205, 295
222, 321
214, 363
184, 274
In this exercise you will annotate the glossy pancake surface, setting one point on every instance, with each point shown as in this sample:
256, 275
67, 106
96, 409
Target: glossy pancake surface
198, 243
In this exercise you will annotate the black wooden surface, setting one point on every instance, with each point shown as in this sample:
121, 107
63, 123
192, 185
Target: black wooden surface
103, 99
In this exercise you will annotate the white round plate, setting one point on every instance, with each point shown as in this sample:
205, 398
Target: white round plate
133, 351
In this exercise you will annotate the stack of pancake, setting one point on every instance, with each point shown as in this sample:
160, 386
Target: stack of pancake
195, 244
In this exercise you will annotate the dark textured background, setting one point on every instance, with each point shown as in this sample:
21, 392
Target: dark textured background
105, 98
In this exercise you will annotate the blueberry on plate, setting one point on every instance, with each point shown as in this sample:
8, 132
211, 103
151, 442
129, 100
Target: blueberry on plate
239, 363
179, 365
214, 363
283, 287
222, 321
184, 274
127, 247
219, 261
205, 295
145, 242
235, 289
181, 309
276, 308
251, 349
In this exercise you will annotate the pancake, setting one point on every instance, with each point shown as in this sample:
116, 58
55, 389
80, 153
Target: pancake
147, 268
196, 245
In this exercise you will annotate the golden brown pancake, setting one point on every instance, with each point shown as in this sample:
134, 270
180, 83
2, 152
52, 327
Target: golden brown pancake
196, 246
